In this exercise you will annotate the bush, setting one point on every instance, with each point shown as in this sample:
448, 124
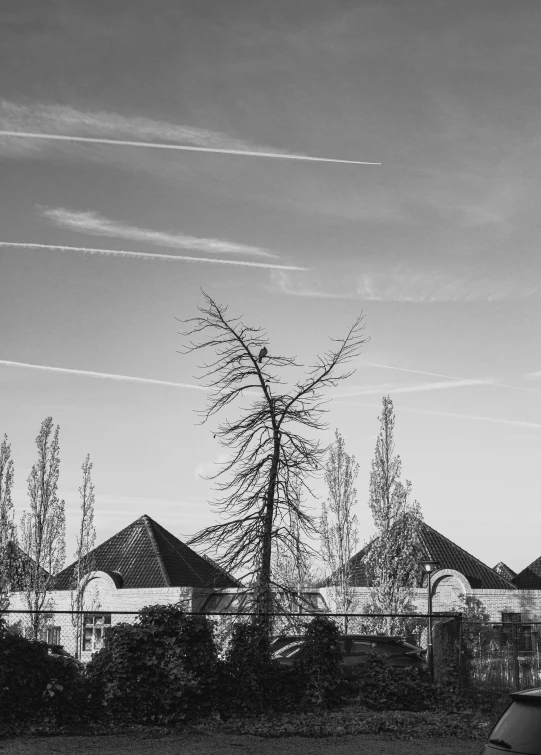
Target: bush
318, 665
251, 681
380, 686
400, 725
34, 683
159, 671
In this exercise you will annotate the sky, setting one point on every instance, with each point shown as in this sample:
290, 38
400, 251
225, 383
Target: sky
152, 150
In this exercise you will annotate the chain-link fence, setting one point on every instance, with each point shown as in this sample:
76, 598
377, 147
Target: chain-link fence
492, 657
80, 634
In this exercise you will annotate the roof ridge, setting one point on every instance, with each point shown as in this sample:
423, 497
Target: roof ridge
536, 561
165, 534
148, 522
468, 554
501, 564
96, 547
219, 568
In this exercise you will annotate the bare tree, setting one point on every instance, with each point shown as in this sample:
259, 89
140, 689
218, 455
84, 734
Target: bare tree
86, 539
393, 560
339, 525
43, 527
272, 459
8, 549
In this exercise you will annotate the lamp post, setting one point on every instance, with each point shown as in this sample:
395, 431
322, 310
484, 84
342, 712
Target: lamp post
429, 567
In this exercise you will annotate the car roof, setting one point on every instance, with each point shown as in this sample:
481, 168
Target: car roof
360, 637
528, 695
375, 638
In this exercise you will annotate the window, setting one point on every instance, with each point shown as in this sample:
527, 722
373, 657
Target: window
512, 629
52, 635
511, 618
47, 633
95, 629
315, 600
225, 603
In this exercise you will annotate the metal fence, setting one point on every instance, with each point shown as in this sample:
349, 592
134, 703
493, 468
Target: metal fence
82, 633
503, 656
492, 658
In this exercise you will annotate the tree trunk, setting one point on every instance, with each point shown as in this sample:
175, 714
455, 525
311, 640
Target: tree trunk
264, 596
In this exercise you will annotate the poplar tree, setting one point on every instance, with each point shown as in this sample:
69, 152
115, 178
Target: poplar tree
339, 525
8, 546
393, 559
84, 562
43, 526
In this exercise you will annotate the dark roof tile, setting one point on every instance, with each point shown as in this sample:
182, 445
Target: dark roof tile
450, 556
147, 555
530, 577
504, 571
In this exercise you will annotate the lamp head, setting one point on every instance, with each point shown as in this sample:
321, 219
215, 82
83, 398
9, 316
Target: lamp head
430, 566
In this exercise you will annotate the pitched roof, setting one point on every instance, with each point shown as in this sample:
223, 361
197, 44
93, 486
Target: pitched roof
437, 547
145, 554
530, 577
19, 565
504, 571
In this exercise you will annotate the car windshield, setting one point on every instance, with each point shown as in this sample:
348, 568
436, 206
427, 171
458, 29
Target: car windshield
520, 727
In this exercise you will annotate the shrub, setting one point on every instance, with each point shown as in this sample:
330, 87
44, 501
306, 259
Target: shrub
251, 681
160, 670
34, 683
402, 725
380, 686
318, 664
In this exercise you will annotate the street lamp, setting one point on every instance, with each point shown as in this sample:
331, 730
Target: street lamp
429, 567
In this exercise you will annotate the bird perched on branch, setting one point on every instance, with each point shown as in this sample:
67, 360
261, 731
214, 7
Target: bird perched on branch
262, 353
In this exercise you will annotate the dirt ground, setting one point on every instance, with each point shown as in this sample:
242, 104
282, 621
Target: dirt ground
214, 744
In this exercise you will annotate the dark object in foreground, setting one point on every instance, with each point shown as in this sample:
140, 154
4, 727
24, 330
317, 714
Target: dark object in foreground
356, 648
518, 729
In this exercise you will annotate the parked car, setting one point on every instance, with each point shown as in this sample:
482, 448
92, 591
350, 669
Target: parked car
356, 649
519, 727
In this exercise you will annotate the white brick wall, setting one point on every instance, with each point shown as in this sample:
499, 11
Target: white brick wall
525, 602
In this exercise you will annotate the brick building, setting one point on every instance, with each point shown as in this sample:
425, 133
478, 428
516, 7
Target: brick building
141, 565
506, 596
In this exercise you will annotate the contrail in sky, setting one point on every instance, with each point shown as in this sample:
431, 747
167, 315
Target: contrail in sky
106, 375
452, 377
495, 420
146, 255
181, 147
435, 386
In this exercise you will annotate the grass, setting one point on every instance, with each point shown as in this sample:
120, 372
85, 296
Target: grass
157, 742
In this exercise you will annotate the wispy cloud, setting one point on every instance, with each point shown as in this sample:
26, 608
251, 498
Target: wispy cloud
104, 375
97, 225
146, 256
433, 287
407, 285
208, 468
296, 286
43, 122
532, 375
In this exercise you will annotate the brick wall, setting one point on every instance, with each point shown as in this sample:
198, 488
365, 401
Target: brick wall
445, 597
